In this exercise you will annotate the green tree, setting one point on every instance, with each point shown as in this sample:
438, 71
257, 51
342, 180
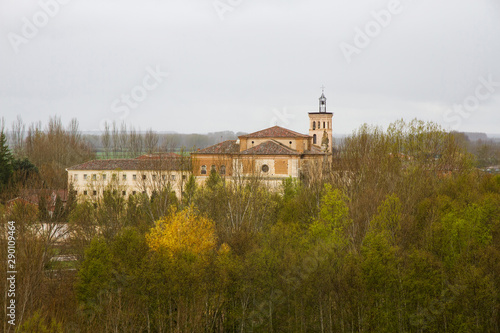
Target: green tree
6, 167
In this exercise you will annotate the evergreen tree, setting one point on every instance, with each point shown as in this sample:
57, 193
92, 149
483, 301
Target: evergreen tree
5, 161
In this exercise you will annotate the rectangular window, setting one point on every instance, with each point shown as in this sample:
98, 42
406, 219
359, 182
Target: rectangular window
94, 192
124, 177
104, 177
134, 192
143, 177
172, 177
183, 177
134, 177
84, 192
94, 176
113, 176
75, 177
124, 193
164, 177
154, 177
85, 176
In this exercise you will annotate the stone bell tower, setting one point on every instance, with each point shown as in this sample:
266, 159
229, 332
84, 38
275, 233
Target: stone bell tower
320, 125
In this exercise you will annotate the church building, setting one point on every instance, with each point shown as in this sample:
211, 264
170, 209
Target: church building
274, 153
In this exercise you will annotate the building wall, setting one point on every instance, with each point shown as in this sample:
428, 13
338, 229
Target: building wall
93, 183
314, 129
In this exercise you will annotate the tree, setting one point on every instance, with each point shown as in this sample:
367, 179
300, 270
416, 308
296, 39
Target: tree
6, 168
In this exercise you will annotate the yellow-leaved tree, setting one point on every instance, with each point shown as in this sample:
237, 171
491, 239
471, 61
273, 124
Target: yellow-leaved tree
183, 232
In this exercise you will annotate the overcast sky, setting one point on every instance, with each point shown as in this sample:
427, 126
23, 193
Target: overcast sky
201, 66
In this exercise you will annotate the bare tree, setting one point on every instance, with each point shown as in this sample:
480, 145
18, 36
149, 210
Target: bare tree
151, 141
106, 139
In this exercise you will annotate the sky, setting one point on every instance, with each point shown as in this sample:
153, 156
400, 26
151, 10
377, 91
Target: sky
203, 66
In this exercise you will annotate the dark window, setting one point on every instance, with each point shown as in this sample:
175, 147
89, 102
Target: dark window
94, 192
222, 169
85, 176
314, 125
124, 193
265, 168
94, 177
143, 177
323, 124
134, 192
134, 177
183, 177
84, 192
314, 139
124, 176
104, 177
213, 169
203, 169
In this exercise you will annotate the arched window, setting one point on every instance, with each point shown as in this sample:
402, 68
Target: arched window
213, 168
323, 124
314, 139
222, 169
314, 125
319, 124
203, 169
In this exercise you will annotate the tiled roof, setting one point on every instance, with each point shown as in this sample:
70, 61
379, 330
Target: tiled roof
315, 150
131, 164
275, 132
157, 156
270, 147
226, 147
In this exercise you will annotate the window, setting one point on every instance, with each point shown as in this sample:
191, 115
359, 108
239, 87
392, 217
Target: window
314, 125
104, 177
314, 139
213, 168
265, 168
183, 177
124, 193
154, 177
134, 192
94, 193
172, 177
143, 177
203, 169
94, 176
124, 176
113, 176
75, 177
319, 124
222, 169
134, 177
290, 142
84, 192
323, 124
85, 176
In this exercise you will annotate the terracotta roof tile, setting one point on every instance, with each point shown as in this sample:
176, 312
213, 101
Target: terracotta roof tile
275, 132
226, 147
131, 164
270, 147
